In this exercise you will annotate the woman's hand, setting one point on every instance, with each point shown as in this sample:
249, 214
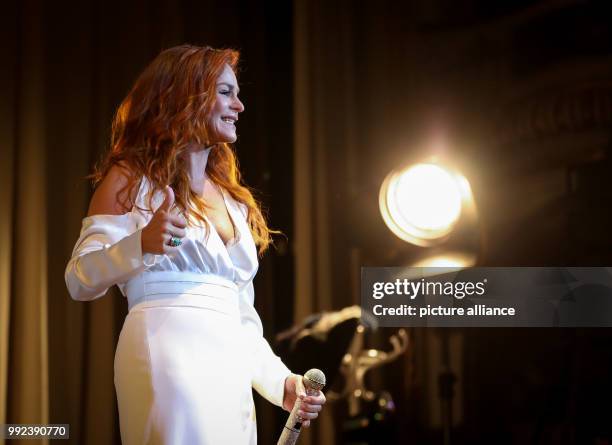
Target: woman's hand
310, 406
163, 226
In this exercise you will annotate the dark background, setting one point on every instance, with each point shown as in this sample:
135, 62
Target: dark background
519, 94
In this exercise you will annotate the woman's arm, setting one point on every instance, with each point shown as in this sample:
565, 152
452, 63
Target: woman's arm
271, 378
110, 198
115, 246
109, 249
269, 372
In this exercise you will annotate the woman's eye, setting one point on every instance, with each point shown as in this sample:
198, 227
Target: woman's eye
225, 93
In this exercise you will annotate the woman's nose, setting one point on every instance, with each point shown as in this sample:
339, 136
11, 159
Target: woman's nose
238, 105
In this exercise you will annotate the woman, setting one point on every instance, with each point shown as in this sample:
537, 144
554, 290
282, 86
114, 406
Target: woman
172, 226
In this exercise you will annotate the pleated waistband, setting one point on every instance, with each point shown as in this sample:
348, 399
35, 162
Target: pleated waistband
153, 289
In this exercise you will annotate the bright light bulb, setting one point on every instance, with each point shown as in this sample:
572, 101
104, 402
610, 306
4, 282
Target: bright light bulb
422, 203
427, 197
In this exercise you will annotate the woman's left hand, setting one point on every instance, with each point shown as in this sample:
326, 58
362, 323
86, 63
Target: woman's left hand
310, 405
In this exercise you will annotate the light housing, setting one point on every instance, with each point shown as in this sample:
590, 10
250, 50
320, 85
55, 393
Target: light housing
423, 203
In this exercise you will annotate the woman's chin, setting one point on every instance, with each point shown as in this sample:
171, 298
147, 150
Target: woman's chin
229, 140
226, 139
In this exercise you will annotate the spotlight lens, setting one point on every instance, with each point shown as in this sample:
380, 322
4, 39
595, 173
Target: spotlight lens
421, 204
428, 197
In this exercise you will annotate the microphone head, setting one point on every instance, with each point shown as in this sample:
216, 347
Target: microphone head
315, 379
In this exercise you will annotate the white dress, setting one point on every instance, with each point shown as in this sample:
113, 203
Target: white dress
191, 347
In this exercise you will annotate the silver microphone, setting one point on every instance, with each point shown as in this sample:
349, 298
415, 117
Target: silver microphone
314, 381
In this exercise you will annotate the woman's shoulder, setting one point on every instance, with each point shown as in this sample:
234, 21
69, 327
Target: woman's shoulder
114, 196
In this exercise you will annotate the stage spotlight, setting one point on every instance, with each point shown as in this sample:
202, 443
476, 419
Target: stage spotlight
422, 203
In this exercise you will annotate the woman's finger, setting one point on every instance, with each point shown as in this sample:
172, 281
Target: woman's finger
167, 246
177, 221
311, 408
175, 231
316, 400
306, 415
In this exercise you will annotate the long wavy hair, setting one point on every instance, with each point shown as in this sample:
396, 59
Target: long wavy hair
164, 113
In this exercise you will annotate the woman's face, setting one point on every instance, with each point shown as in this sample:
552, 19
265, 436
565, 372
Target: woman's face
224, 114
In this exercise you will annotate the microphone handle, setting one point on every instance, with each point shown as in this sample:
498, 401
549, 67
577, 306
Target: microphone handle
293, 426
314, 381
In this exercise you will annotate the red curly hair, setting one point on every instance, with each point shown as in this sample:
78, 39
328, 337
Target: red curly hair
166, 111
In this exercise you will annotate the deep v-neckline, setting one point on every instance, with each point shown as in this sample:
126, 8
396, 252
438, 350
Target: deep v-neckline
233, 240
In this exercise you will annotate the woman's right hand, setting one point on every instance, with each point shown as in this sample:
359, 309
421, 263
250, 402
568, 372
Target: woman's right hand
163, 226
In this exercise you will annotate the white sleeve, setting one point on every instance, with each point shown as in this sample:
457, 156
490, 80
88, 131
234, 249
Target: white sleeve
269, 372
108, 252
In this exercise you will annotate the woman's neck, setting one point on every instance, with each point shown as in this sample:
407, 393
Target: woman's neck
197, 158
